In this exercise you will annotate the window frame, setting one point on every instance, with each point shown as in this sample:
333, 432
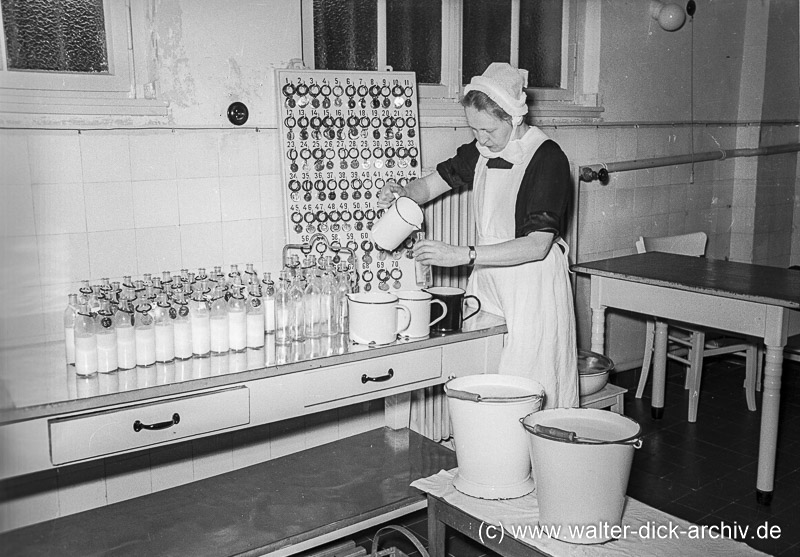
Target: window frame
36, 99
438, 99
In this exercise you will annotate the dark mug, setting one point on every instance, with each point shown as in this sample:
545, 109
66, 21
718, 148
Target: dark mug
453, 298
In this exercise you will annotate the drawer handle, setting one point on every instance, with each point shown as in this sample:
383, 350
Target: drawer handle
365, 377
139, 426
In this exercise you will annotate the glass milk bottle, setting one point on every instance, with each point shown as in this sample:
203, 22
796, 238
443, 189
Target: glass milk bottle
199, 315
85, 342
250, 274
219, 322
145, 335
164, 315
70, 314
126, 336
268, 291
237, 318
182, 327
106, 339
255, 317
283, 311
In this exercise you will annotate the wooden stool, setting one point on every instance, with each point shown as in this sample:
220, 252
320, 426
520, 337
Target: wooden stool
610, 396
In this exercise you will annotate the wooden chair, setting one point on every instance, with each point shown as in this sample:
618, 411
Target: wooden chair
690, 345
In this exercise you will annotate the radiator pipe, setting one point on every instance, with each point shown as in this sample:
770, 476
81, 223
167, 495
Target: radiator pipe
591, 172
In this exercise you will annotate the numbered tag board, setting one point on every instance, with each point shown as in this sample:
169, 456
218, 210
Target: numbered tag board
343, 135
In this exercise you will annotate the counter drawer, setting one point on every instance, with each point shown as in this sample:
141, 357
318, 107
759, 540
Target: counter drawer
368, 376
134, 427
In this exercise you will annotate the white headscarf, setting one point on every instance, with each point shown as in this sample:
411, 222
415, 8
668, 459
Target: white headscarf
505, 85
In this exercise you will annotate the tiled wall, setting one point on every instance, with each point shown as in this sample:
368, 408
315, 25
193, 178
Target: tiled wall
71, 489
111, 203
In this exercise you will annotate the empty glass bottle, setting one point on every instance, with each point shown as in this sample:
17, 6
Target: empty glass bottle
328, 305
268, 292
85, 342
344, 287
312, 304
70, 314
297, 320
283, 311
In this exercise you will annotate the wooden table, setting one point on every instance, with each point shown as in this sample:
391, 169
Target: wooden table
747, 299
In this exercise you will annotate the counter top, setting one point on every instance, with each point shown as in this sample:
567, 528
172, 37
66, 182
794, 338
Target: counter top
35, 381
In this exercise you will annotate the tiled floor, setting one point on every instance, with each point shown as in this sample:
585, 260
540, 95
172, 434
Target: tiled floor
703, 472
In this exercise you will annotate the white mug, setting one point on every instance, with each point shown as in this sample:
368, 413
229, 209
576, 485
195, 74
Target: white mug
419, 303
398, 222
374, 317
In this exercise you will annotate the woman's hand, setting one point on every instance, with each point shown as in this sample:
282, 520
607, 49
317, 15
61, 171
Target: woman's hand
387, 193
432, 252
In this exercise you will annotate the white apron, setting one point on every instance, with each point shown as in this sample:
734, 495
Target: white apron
535, 298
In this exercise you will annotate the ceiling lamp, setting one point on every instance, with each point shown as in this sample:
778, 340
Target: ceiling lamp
670, 17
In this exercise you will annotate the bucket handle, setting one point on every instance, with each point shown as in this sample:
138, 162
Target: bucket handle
557, 434
475, 397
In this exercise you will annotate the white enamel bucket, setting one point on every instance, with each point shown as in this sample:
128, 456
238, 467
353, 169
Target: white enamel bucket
491, 447
581, 461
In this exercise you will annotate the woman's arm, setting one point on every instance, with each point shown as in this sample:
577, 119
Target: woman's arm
533, 247
420, 190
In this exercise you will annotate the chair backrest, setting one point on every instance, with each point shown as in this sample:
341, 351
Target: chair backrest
682, 244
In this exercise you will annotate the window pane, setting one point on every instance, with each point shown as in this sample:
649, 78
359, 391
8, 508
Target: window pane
55, 35
540, 41
414, 38
345, 35
487, 35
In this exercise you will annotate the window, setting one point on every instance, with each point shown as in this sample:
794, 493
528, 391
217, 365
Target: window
74, 58
446, 42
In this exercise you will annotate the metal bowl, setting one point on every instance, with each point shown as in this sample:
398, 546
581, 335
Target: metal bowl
593, 371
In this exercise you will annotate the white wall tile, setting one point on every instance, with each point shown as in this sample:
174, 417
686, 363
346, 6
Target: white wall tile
109, 206
20, 261
211, 456
201, 245
272, 197
29, 502
171, 466
81, 488
128, 477
16, 210
59, 208
155, 203
63, 258
158, 249
287, 437
112, 253
153, 155
240, 198
55, 158
14, 159
273, 234
241, 241
54, 301
238, 153
269, 152
197, 155
198, 200
250, 446
105, 157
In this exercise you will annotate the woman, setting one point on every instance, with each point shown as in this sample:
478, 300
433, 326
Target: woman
521, 182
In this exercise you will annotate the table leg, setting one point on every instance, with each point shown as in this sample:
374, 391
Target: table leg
770, 406
659, 370
599, 330
436, 530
